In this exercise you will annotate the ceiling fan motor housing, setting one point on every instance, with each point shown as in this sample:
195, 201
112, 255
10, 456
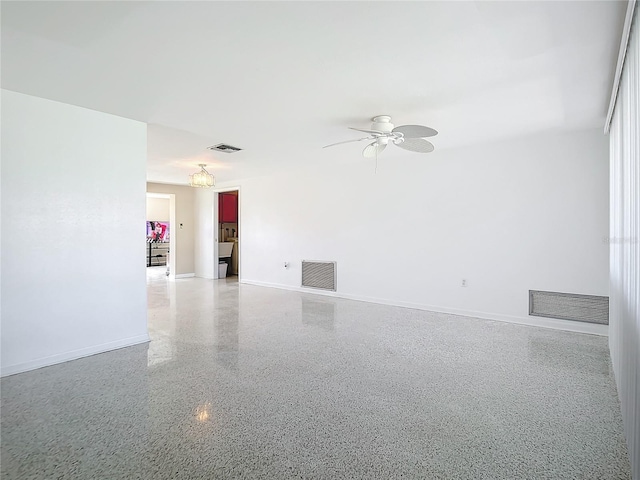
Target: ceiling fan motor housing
382, 123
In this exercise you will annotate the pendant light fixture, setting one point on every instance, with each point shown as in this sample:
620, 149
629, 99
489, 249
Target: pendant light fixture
202, 178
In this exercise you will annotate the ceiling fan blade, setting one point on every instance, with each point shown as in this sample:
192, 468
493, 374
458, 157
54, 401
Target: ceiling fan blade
349, 141
373, 149
419, 145
374, 132
415, 131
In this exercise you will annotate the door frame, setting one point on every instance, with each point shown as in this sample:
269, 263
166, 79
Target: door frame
216, 200
172, 228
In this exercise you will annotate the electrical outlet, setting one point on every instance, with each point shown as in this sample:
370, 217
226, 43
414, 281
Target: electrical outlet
463, 283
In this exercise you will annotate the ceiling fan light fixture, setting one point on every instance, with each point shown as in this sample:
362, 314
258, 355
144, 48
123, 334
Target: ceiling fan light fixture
202, 179
407, 137
372, 150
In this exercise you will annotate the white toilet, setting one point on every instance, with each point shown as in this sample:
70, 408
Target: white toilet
224, 251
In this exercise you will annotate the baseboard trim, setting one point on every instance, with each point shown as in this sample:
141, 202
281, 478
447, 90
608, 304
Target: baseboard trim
207, 277
184, 275
543, 322
72, 355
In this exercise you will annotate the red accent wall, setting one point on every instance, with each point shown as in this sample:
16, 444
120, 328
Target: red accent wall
227, 208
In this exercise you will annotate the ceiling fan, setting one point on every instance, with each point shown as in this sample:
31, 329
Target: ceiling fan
383, 132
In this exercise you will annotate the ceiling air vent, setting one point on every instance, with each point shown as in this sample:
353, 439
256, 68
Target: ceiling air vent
223, 147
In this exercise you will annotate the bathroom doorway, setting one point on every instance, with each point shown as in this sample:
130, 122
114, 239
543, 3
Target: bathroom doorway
228, 218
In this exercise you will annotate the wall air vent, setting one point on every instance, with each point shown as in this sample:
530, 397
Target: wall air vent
569, 306
223, 147
317, 274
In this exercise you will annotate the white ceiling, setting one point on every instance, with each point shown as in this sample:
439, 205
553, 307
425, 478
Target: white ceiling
282, 79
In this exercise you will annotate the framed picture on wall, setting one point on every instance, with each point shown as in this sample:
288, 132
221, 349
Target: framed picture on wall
157, 231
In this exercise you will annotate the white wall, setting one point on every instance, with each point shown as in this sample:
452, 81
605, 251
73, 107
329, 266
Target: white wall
530, 213
73, 213
205, 232
158, 209
624, 340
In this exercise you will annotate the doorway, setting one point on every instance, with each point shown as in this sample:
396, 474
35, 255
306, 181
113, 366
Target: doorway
228, 224
160, 240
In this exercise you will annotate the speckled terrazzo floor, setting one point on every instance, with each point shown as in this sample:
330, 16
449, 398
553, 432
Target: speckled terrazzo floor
248, 382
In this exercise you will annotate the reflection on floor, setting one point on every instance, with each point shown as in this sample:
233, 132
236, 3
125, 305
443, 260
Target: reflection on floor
242, 381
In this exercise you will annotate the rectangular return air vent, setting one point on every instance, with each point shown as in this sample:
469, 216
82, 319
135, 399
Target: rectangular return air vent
317, 274
223, 147
569, 306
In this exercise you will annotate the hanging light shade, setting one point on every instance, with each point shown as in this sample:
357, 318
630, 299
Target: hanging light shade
202, 178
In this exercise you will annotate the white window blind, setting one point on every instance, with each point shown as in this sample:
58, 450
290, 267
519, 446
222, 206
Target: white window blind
624, 296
